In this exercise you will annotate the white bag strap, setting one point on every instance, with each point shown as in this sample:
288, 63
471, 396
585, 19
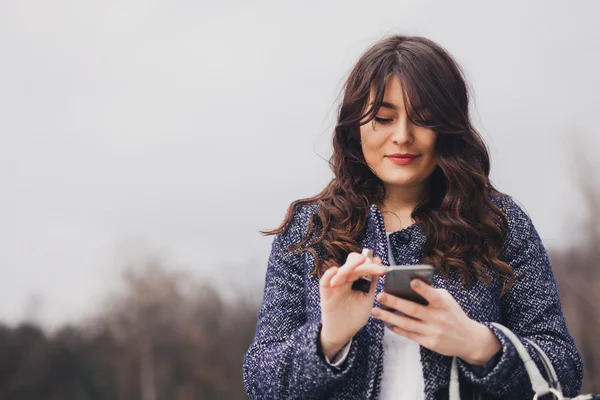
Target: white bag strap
550, 372
538, 383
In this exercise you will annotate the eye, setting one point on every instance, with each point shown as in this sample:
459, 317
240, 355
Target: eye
383, 121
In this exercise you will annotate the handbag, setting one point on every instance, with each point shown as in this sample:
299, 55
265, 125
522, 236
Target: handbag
539, 385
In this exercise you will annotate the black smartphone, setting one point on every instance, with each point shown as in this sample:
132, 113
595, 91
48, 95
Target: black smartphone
397, 281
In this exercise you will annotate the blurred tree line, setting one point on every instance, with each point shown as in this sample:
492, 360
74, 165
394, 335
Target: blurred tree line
167, 336
578, 279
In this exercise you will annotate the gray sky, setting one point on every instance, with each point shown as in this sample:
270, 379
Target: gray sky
184, 128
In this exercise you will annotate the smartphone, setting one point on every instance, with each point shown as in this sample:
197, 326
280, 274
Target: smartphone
397, 281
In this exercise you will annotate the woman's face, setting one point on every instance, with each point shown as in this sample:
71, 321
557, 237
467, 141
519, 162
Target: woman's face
390, 133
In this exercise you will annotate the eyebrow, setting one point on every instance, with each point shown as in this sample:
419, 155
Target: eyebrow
387, 105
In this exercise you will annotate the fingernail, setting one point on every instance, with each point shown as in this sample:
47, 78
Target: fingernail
375, 312
416, 283
381, 297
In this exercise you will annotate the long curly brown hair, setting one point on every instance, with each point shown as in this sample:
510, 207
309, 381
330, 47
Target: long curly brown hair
464, 229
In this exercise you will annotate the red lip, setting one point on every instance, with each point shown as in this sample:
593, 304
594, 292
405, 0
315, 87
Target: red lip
403, 155
402, 159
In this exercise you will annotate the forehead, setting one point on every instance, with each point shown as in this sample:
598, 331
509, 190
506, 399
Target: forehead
393, 97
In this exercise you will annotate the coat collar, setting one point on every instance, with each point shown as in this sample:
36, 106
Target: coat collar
375, 238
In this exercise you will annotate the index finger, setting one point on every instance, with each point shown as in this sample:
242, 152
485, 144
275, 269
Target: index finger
354, 260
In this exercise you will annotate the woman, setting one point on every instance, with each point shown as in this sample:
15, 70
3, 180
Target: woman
411, 183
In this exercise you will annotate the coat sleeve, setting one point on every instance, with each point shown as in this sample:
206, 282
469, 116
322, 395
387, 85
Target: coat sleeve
285, 360
531, 309
340, 357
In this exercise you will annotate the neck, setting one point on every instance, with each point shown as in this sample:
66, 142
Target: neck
403, 199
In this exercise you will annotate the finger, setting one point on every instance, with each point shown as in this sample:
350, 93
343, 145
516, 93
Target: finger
407, 307
369, 269
406, 323
354, 259
325, 281
377, 260
366, 269
407, 334
356, 273
432, 295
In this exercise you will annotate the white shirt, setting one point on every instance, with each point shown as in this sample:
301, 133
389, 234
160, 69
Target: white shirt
402, 369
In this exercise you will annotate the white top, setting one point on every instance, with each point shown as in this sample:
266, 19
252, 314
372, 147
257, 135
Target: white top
402, 369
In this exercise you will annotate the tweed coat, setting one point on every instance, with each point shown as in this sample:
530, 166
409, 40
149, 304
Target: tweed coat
285, 360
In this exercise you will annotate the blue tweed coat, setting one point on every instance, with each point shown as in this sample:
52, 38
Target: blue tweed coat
285, 360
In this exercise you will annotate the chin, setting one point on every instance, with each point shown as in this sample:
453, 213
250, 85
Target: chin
401, 179
401, 182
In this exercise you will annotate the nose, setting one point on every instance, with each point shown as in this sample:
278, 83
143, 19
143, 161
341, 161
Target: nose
402, 132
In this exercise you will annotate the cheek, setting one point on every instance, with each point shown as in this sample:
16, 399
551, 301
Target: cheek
370, 146
429, 147
369, 154
429, 140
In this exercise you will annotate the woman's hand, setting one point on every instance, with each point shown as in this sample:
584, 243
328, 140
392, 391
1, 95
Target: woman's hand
345, 311
441, 326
